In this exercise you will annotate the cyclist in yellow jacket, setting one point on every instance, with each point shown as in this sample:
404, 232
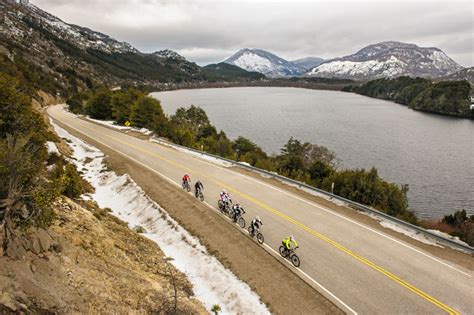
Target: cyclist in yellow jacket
288, 242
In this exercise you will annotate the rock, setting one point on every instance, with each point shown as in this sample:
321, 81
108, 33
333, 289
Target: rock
15, 249
35, 246
44, 239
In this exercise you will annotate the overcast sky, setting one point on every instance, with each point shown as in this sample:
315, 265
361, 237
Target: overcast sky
209, 31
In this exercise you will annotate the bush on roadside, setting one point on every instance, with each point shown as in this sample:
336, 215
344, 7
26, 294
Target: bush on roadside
462, 224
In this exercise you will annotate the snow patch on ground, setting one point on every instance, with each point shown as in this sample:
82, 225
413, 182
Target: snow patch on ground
202, 156
113, 124
213, 283
51, 147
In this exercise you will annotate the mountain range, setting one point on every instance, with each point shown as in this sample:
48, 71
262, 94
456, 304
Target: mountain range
77, 57
385, 59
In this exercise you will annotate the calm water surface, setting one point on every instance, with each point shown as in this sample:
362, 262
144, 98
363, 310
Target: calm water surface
433, 154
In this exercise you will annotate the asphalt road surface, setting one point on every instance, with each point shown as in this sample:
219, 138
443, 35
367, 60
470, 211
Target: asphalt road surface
371, 272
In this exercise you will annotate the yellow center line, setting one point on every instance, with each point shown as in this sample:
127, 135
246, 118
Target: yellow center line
322, 237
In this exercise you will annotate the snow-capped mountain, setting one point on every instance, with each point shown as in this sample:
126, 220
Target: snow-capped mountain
269, 64
262, 61
388, 59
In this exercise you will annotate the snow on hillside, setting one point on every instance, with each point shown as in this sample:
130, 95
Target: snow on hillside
82, 37
390, 68
253, 62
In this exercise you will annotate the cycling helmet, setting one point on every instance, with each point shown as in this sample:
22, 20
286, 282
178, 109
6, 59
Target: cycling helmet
257, 218
292, 238
224, 191
237, 205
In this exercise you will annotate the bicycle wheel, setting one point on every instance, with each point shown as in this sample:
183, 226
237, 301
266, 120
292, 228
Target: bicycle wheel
201, 197
220, 205
295, 260
241, 222
283, 251
188, 188
260, 238
250, 231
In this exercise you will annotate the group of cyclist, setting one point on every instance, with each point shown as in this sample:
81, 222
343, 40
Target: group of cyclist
288, 242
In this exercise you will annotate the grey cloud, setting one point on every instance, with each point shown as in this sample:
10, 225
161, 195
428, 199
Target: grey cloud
208, 31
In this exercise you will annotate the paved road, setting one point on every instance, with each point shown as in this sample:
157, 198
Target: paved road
371, 272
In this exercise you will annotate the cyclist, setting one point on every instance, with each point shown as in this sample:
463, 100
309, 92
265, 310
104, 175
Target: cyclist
255, 224
237, 211
225, 197
288, 241
186, 180
198, 186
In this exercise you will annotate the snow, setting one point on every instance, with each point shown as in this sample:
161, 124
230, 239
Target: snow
202, 156
389, 68
252, 62
213, 283
51, 147
112, 124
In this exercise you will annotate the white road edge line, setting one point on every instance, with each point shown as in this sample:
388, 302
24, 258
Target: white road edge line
335, 299
322, 208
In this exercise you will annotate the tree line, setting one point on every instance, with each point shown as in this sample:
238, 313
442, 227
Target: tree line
309, 163
450, 98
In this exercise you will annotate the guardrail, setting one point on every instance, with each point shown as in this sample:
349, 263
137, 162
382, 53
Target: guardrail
360, 207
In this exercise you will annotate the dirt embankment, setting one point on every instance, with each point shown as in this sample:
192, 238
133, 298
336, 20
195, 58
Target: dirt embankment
279, 288
90, 262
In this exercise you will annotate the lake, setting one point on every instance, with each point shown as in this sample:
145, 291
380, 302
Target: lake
433, 154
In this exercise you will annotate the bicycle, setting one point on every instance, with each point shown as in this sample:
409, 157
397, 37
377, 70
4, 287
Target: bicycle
239, 219
186, 186
224, 208
198, 193
290, 254
256, 232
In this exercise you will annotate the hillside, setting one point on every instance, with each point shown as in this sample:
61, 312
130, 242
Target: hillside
387, 60
88, 261
308, 63
228, 72
449, 98
78, 57
464, 74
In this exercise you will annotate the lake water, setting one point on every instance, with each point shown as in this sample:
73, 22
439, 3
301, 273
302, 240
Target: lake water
433, 154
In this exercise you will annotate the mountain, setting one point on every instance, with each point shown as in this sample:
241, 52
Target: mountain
308, 63
77, 57
388, 59
262, 61
228, 72
270, 64
464, 74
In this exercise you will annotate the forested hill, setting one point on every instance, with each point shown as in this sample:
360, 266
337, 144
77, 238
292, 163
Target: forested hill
450, 98
226, 72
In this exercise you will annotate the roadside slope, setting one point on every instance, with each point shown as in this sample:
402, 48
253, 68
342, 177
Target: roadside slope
90, 262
